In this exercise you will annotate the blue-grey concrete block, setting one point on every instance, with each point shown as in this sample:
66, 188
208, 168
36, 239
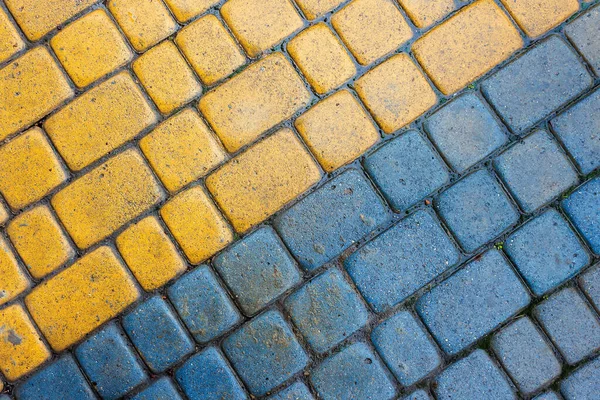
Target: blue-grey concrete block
590, 282
584, 33
162, 389
548, 396
584, 383
418, 395
583, 208
296, 391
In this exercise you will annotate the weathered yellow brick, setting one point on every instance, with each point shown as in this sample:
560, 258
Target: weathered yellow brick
144, 22
317, 8
98, 203
30, 169
467, 45
261, 24
150, 254
90, 48
99, 121
10, 40
168, 79
337, 130
537, 17
14, 280
395, 92
266, 93
3, 214
182, 149
40, 241
186, 9
36, 18
257, 183
21, 348
427, 12
210, 49
30, 87
371, 28
321, 58
73, 303
196, 224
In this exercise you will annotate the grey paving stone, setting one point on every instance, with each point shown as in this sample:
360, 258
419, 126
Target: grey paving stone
583, 208
584, 32
584, 383
590, 282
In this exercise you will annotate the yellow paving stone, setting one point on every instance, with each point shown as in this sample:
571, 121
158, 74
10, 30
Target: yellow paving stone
263, 95
40, 241
150, 254
10, 40
1, 385
425, 13
210, 49
79, 299
21, 348
371, 28
467, 45
36, 18
145, 22
261, 24
321, 58
395, 92
317, 8
537, 17
196, 224
14, 281
90, 48
30, 87
100, 120
3, 214
186, 9
337, 130
182, 149
98, 203
30, 169
257, 183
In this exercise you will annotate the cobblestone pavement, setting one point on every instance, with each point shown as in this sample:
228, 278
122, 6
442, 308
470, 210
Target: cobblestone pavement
325, 199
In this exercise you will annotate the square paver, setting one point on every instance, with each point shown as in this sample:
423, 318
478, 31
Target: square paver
584, 383
163, 388
584, 32
590, 282
296, 391
582, 208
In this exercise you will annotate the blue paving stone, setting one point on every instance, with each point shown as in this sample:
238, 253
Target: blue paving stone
465, 131
583, 208
525, 354
531, 87
352, 374
405, 348
296, 391
61, 379
584, 383
570, 323
579, 130
5, 397
474, 377
110, 363
327, 222
418, 395
590, 282
326, 310
400, 261
548, 396
265, 352
472, 302
162, 389
535, 170
257, 269
406, 170
157, 334
203, 304
546, 252
584, 33
476, 209
206, 376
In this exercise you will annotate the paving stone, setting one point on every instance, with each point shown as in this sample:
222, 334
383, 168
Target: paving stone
110, 363
331, 219
406, 348
467, 45
265, 352
584, 33
474, 377
162, 389
584, 383
296, 391
465, 131
353, 373
546, 252
537, 18
406, 170
425, 13
396, 264
570, 323
14, 280
316, 8
531, 87
579, 130
207, 376
326, 310
472, 302
157, 334
418, 395
61, 379
3, 214
582, 208
203, 304
526, 355
476, 210
257, 269
548, 396
184, 10
590, 282
10, 38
